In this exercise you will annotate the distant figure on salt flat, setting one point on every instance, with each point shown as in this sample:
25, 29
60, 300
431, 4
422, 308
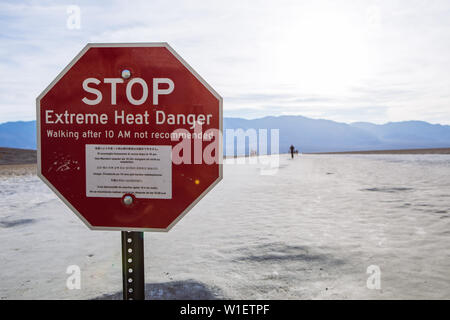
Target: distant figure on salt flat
292, 151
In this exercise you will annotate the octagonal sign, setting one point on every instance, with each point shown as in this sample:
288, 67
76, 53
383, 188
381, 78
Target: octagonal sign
129, 136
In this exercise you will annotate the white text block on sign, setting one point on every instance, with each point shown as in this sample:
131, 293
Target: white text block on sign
115, 170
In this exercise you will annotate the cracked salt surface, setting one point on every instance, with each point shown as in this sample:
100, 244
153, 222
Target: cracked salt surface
308, 232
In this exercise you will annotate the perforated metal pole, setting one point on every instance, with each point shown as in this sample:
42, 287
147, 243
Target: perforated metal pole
133, 265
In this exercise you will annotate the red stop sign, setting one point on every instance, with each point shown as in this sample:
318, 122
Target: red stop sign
129, 136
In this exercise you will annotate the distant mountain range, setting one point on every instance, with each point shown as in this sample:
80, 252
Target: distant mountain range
307, 135
20, 134
318, 135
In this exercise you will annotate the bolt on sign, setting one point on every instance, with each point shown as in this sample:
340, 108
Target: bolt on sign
129, 136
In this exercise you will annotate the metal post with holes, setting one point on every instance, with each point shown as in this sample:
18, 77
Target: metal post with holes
133, 265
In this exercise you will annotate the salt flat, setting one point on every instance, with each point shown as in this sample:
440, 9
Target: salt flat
310, 231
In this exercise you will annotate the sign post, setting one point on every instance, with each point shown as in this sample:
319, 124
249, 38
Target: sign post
130, 138
133, 276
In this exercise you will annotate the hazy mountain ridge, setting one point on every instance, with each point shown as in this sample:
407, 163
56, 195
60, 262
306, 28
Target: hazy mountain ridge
319, 135
19, 134
308, 135
414, 133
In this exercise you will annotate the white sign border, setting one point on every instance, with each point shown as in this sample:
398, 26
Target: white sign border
65, 70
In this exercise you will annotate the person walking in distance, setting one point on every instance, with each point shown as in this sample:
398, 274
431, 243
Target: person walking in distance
292, 151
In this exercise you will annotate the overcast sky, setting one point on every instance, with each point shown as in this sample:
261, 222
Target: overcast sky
376, 61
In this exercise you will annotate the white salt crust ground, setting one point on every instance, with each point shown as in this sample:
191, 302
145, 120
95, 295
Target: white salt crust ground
308, 232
